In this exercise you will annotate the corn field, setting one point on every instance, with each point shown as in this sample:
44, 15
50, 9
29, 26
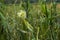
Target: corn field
30, 21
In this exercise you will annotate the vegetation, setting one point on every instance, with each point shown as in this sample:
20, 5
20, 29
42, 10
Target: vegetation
26, 21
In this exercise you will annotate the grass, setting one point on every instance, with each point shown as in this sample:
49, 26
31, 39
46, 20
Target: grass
42, 22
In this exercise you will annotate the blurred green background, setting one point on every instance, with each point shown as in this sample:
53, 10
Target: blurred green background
42, 20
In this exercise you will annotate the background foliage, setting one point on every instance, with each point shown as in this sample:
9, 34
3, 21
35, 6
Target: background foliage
41, 23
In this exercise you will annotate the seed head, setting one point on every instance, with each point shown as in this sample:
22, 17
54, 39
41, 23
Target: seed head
22, 14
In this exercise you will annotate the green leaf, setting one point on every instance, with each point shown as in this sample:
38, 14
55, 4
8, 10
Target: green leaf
28, 25
1, 15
